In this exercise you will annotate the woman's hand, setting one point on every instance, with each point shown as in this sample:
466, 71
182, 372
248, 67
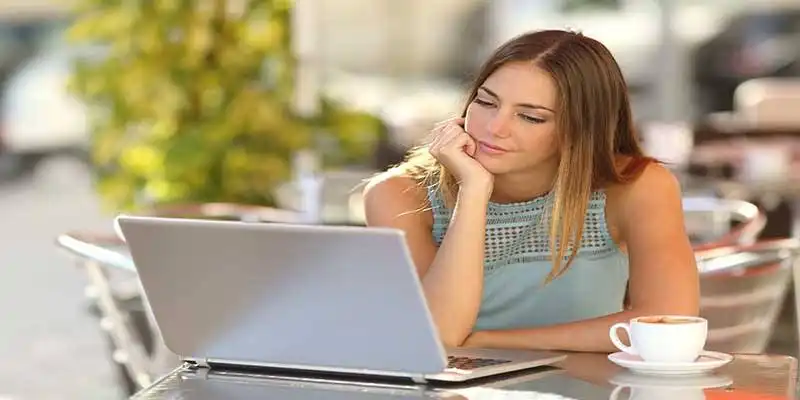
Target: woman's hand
455, 149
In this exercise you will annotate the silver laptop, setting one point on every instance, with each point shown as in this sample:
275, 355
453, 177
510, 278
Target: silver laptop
321, 299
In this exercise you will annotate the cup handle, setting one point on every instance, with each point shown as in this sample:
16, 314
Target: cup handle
612, 333
615, 393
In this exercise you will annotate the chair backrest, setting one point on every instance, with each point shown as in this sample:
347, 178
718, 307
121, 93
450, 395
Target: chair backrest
340, 196
742, 289
714, 222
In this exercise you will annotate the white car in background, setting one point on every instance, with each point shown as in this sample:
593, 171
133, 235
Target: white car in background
38, 116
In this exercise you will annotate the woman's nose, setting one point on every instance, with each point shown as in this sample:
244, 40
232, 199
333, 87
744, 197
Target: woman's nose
498, 125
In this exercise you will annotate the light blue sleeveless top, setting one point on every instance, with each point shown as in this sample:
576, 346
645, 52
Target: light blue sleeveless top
517, 262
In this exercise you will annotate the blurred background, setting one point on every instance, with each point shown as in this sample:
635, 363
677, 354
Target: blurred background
168, 106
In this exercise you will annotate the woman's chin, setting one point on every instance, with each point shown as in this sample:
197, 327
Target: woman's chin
492, 164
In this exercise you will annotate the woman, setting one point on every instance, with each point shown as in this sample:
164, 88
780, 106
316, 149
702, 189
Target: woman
531, 216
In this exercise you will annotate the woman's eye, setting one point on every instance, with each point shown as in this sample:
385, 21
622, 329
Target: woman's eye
483, 103
533, 120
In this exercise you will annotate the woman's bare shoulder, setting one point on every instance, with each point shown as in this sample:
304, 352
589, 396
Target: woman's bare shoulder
652, 181
391, 195
655, 189
393, 184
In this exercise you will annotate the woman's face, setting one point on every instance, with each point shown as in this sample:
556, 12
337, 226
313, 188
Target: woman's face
512, 119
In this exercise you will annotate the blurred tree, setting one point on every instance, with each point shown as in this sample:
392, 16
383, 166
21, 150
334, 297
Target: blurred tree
191, 101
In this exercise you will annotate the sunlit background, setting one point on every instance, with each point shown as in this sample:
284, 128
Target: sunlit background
130, 105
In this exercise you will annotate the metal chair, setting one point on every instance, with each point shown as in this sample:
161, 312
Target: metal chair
340, 197
714, 222
135, 344
742, 288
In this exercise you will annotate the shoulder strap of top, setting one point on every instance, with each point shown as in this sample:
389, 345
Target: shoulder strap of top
596, 231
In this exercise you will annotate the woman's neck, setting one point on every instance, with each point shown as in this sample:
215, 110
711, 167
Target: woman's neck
515, 188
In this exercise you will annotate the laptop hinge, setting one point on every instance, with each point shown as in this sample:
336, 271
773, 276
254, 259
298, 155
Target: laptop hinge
200, 367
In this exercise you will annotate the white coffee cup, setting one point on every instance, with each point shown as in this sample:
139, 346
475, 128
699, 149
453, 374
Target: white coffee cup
663, 338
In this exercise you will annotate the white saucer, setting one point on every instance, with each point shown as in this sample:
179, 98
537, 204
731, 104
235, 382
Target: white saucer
708, 361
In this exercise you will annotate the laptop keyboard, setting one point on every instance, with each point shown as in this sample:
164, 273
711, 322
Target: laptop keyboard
468, 363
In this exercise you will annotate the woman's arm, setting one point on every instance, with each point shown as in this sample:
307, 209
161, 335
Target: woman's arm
452, 276
663, 273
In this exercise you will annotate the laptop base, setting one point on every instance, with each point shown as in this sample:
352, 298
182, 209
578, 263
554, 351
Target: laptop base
202, 369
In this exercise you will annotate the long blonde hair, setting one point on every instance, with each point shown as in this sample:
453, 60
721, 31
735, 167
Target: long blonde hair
594, 125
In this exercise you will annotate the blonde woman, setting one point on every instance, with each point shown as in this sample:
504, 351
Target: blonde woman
532, 215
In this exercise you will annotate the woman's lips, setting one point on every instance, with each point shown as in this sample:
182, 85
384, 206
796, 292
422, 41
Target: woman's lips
490, 149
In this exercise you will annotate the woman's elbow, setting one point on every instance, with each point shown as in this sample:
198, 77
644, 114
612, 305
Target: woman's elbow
682, 300
688, 305
453, 339
451, 342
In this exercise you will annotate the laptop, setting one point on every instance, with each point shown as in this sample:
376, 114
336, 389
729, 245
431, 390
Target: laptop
320, 299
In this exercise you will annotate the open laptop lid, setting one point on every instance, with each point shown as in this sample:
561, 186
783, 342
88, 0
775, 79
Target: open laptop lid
296, 296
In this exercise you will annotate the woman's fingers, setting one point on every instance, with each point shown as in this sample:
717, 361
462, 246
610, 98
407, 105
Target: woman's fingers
471, 147
450, 121
450, 134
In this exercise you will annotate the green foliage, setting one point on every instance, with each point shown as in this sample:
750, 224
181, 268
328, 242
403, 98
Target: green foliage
580, 5
191, 101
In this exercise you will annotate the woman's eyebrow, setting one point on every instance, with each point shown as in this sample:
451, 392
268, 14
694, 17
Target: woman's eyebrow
526, 105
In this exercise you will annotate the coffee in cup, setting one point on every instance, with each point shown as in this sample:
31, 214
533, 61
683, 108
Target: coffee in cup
663, 338
666, 320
